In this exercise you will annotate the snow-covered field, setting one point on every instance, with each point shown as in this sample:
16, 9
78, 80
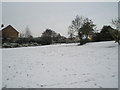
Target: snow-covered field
93, 65
0, 68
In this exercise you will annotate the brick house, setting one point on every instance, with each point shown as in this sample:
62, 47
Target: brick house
9, 32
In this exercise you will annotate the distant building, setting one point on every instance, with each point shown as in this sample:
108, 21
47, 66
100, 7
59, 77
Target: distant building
9, 32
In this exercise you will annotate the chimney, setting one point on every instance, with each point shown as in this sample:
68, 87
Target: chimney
2, 25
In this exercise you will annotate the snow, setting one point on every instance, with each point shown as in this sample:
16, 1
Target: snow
93, 65
0, 69
1, 28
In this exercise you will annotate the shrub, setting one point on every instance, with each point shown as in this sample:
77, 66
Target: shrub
46, 40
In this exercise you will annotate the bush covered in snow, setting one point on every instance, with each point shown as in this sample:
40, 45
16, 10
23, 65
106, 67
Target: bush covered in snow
14, 45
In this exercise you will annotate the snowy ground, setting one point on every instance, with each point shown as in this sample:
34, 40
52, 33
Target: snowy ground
94, 65
0, 69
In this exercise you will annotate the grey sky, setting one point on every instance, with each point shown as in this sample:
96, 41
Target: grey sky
57, 16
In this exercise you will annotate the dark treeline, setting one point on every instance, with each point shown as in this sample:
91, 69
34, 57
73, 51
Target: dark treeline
26, 39
48, 37
81, 30
86, 31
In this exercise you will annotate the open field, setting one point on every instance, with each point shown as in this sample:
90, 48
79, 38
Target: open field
93, 65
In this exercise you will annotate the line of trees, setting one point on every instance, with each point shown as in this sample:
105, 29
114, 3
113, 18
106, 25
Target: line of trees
48, 37
82, 30
107, 33
86, 31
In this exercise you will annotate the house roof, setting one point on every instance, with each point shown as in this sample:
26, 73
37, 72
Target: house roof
6, 27
3, 27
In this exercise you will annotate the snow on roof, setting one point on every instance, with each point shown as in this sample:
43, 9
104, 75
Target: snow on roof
3, 27
7, 26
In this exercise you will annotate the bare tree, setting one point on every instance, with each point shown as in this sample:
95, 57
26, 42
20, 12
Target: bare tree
76, 25
116, 23
22, 35
116, 33
71, 32
28, 33
77, 22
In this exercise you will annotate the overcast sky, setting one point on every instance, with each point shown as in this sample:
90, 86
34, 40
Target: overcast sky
39, 16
